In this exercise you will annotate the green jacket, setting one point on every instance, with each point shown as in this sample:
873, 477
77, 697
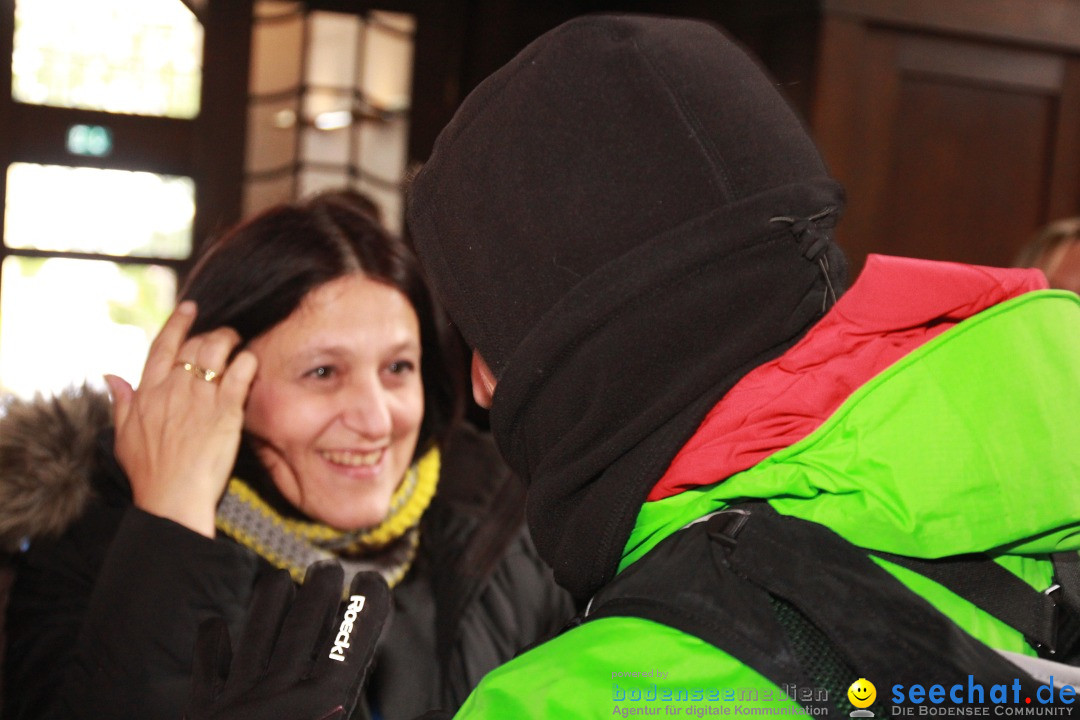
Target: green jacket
967, 444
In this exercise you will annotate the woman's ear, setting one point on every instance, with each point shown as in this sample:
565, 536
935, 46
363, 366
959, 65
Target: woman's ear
483, 381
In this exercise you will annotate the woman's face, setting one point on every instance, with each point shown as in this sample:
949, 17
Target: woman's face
337, 401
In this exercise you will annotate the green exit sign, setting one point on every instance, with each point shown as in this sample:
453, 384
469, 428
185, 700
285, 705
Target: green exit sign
92, 140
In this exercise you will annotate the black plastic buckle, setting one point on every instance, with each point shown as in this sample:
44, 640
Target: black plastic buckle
1047, 646
725, 526
1065, 631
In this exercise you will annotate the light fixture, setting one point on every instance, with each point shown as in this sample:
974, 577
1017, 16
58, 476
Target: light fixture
333, 120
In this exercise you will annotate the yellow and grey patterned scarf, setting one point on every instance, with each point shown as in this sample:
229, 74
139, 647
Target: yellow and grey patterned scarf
388, 548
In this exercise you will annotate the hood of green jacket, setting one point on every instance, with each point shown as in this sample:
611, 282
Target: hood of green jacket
967, 444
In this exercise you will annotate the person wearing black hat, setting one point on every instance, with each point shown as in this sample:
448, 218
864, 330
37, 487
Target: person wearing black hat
633, 230
765, 490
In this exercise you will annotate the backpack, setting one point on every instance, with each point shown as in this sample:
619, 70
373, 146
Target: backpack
807, 609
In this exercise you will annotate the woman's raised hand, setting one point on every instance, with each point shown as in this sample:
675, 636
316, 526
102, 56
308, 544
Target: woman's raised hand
178, 434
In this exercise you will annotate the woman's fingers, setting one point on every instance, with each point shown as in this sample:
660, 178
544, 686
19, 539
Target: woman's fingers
163, 350
208, 353
122, 394
178, 433
237, 380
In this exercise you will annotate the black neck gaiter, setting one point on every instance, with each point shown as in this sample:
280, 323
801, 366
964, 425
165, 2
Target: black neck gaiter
623, 221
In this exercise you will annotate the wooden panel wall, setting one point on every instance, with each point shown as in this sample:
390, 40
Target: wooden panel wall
954, 126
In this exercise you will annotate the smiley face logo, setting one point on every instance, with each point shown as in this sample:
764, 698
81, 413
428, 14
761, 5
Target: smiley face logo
862, 693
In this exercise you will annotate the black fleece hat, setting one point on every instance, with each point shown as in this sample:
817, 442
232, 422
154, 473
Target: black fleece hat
623, 221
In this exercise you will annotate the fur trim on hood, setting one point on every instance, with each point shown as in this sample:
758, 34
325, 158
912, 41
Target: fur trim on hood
47, 460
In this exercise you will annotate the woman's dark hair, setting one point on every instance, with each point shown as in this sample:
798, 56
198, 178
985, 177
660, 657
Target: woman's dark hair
257, 273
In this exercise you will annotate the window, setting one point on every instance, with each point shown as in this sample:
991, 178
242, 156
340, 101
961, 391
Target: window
113, 138
64, 319
123, 56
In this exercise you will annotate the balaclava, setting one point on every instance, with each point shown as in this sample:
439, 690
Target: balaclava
623, 220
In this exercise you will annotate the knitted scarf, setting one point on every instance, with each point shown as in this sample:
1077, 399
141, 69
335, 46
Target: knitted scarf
388, 548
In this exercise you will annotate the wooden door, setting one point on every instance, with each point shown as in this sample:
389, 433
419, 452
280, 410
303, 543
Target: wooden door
955, 127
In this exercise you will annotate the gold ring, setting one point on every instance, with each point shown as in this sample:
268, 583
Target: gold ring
199, 372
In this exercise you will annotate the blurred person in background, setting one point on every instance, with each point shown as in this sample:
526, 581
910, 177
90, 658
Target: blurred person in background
1055, 250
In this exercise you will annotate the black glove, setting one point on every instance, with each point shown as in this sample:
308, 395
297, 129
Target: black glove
301, 660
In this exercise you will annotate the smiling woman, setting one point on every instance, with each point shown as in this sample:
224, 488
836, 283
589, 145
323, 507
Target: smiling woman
298, 406
352, 379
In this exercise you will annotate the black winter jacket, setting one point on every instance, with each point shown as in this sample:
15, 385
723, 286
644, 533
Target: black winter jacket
107, 599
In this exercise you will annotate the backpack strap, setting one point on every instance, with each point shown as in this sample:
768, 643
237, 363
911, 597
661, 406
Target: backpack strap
1048, 620
799, 604
685, 583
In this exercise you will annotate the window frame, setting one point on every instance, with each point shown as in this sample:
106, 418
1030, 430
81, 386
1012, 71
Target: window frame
208, 148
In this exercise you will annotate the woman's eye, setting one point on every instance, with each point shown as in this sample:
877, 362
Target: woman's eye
323, 371
400, 367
